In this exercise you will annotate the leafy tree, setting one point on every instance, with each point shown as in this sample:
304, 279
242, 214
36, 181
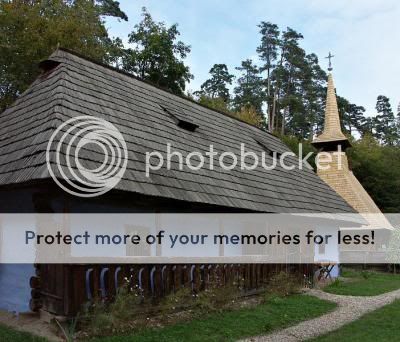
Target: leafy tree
250, 88
31, 30
249, 114
157, 56
377, 167
217, 103
217, 85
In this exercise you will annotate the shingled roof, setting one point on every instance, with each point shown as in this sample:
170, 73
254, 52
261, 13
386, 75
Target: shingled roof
76, 86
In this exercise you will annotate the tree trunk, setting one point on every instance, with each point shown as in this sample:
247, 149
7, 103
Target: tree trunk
284, 115
273, 114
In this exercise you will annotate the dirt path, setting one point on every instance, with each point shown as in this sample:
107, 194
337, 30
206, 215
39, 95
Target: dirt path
349, 309
29, 322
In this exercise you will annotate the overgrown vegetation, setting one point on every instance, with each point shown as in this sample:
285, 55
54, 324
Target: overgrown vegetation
283, 284
131, 310
364, 283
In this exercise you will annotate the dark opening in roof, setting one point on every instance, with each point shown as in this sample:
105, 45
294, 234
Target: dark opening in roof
267, 149
180, 119
47, 66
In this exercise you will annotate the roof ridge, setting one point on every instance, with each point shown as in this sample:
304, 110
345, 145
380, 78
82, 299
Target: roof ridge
184, 97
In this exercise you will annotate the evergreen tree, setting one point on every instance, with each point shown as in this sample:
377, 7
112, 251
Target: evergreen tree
157, 56
217, 85
268, 53
311, 92
385, 126
250, 88
111, 8
286, 78
352, 116
367, 126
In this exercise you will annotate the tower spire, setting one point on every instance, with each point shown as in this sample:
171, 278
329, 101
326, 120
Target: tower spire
332, 135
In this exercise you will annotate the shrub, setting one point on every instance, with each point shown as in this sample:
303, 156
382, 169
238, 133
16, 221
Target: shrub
283, 284
131, 311
366, 274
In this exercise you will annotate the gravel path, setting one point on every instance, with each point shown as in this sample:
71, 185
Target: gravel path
349, 309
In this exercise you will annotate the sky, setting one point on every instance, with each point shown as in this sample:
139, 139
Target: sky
362, 34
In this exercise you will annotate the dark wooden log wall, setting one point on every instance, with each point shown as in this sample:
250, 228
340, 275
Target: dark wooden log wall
63, 289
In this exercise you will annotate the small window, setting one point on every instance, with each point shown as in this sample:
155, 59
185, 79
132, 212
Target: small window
181, 120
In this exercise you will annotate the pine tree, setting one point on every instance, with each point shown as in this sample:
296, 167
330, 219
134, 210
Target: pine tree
312, 93
268, 53
286, 77
217, 85
385, 126
250, 88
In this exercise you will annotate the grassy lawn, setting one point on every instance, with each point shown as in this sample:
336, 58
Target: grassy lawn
380, 325
231, 325
8, 334
364, 283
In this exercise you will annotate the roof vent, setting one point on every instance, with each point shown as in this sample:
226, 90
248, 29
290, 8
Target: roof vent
268, 150
47, 66
182, 120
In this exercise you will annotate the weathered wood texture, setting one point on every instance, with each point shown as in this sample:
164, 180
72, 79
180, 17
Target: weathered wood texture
63, 289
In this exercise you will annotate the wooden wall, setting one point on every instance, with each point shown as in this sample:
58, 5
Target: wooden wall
63, 289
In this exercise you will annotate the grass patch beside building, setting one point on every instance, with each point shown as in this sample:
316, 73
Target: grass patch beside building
364, 283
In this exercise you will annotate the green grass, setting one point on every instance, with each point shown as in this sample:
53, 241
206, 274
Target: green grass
11, 335
364, 283
278, 313
380, 325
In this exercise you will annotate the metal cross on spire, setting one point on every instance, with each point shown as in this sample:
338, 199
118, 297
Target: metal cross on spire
330, 60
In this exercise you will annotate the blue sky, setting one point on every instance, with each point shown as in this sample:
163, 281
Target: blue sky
363, 36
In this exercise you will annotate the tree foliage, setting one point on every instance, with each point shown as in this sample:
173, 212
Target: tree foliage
31, 30
250, 115
157, 56
217, 85
386, 129
250, 88
377, 167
